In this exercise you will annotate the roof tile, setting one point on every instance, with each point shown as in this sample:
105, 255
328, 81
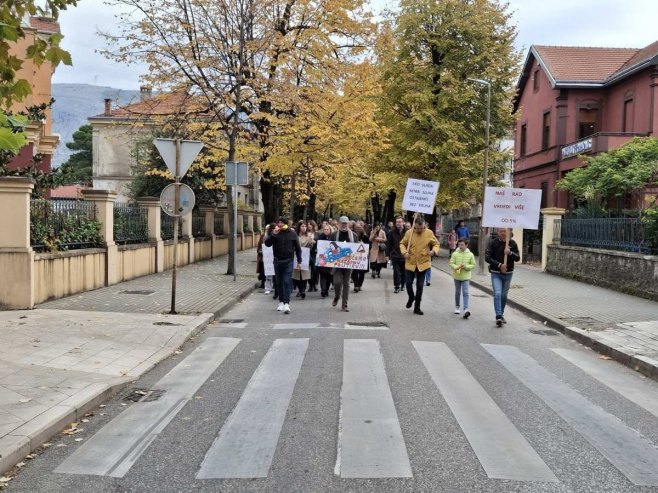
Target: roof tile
583, 64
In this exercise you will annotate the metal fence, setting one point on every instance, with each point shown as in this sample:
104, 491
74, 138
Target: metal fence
245, 224
63, 225
167, 226
198, 223
130, 224
623, 234
219, 224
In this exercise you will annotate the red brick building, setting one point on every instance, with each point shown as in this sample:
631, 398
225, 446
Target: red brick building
576, 100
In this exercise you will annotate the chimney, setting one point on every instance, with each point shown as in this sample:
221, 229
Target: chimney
108, 107
145, 92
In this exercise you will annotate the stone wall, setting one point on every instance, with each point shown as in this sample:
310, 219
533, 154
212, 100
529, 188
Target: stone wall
629, 273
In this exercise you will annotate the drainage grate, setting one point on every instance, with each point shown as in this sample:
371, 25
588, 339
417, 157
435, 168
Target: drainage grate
144, 395
231, 320
167, 323
138, 291
369, 324
543, 332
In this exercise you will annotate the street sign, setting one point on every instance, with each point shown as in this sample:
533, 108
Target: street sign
168, 200
242, 173
189, 149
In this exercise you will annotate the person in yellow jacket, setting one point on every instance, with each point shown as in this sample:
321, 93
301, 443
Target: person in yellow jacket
462, 262
418, 247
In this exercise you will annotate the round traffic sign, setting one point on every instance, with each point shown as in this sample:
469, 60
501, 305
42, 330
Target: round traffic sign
168, 197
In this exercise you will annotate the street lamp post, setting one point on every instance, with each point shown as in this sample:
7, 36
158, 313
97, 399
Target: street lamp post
481, 244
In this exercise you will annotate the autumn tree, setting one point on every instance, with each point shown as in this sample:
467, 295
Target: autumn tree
435, 116
272, 53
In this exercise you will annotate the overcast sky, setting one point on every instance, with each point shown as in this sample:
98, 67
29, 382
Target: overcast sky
610, 23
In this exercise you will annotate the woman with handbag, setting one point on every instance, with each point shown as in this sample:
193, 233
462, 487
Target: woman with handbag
378, 257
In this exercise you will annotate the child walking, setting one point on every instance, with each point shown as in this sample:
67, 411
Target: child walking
462, 262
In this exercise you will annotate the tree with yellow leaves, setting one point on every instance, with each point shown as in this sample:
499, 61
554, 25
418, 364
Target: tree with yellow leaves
434, 114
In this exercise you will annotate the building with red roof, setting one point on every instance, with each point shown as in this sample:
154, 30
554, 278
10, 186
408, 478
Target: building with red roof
579, 100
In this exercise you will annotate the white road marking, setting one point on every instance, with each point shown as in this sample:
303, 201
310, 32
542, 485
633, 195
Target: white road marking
370, 442
117, 446
503, 452
246, 443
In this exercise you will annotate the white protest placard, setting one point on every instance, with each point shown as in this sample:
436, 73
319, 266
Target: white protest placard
268, 260
420, 195
342, 255
306, 258
511, 208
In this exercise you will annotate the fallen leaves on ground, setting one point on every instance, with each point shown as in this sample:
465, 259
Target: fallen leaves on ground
73, 429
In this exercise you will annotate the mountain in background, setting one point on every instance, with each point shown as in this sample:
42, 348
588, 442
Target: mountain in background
74, 103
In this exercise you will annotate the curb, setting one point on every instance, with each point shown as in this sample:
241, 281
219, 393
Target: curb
642, 364
15, 446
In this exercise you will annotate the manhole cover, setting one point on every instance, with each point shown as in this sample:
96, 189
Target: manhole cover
543, 332
231, 320
166, 323
369, 324
144, 395
138, 291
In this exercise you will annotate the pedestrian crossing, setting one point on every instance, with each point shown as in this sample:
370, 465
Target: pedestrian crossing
369, 437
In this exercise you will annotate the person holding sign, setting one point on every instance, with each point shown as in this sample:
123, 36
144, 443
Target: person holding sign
342, 276
285, 244
300, 274
418, 247
501, 254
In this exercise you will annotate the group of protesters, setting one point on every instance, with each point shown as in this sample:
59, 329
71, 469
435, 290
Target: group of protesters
407, 248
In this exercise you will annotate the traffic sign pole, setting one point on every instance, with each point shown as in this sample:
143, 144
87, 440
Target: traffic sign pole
235, 220
176, 219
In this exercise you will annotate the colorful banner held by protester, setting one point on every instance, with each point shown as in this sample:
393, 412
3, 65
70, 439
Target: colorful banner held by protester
342, 255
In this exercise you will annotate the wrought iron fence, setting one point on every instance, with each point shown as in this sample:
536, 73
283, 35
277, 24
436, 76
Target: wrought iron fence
63, 225
130, 224
623, 234
198, 223
167, 226
219, 224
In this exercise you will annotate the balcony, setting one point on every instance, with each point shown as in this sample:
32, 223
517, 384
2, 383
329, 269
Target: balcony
596, 143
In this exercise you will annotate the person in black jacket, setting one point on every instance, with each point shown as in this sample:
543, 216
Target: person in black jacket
397, 259
285, 247
501, 271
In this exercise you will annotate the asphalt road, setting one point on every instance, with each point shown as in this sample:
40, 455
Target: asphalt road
377, 399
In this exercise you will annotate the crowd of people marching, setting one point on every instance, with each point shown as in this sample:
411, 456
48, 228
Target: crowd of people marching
407, 248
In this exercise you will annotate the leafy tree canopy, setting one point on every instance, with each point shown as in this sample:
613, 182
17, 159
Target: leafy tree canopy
435, 116
625, 170
78, 168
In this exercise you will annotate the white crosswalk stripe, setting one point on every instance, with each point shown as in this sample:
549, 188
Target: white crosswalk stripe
368, 434
624, 447
117, 446
503, 452
246, 444
370, 442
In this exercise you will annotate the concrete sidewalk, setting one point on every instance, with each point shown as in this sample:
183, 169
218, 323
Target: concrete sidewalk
617, 325
64, 358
